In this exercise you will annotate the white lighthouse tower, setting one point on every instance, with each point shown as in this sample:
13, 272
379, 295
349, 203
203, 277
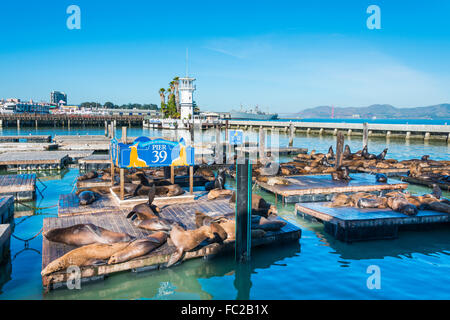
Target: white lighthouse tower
186, 88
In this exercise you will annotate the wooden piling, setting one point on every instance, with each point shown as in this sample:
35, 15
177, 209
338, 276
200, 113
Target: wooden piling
365, 134
291, 134
339, 149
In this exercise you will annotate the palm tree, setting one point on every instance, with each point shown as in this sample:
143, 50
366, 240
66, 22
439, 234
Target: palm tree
162, 96
172, 87
176, 82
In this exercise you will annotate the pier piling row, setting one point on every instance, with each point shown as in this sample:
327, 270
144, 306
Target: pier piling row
403, 131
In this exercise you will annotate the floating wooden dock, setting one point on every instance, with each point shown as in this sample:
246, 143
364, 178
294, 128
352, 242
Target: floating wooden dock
93, 183
24, 138
69, 205
282, 151
181, 213
322, 187
20, 186
95, 162
24, 161
7, 210
428, 183
354, 224
159, 201
5, 234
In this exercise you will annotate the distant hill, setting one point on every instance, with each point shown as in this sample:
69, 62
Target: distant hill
380, 111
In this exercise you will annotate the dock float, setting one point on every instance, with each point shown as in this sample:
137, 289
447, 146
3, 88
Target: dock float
350, 224
24, 138
181, 213
69, 205
28, 161
444, 185
282, 151
95, 162
7, 210
21, 186
5, 235
322, 187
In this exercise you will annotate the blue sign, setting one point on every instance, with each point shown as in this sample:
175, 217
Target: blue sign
235, 136
145, 152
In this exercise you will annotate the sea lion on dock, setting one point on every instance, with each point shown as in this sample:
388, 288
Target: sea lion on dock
169, 191
84, 256
206, 173
341, 174
271, 168
218, 193
84, 234
366, 155
378, 202
139, 248
146, 210
380, 177
154, 224
187, 240
437, 206
89, 175
402, 205
425, 157
347, 152
277, 181
437, 192
382, 155
330, 154
87, 197
267, 224
219, 181
340, 200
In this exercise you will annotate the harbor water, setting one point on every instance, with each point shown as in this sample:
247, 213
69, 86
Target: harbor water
414, 266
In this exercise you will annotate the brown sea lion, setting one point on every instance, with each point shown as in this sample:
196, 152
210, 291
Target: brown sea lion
347, 152
438, 206
218, 193
277, 181
84, 234
83, 256
382, 155
340, 200
154, 224
267, 224
355, 197
90, 175
341, 174
402, 205
146, 210
169, 191
378, 202
187, 240
206, 173
139, 248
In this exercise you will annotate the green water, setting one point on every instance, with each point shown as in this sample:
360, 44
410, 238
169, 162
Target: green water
414, 266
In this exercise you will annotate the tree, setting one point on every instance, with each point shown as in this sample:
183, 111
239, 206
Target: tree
176, 82
109, 105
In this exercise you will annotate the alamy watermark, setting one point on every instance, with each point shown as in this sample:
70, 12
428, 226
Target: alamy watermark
374, 280
374, 20
74, 20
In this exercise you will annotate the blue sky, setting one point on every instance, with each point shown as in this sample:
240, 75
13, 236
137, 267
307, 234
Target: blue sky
281, 55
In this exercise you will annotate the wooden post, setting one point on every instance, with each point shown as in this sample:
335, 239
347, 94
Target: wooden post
122, 186
124, 135
365, 134
106, 128
191, 180
243, 211
166, 172
172, 174
339, 149
262, 143
219, 147
291, 134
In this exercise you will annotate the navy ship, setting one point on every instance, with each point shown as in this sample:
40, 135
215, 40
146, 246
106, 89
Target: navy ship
252, 114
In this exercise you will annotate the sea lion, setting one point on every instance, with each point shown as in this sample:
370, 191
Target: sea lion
379, 202
324, 162
355, 197
380, 177
267, 224
89, 175
366, 155
271, 168
330, 154
84, 234
341, 174
382, 154
87, 255
187, 240
217, 193
206, 173
169, 191
402, 205
340, 200
146, 210
425, 157
139, 248
438, 206
437, 192
277, 181
347, 152
219, 181
154, 224
87, 197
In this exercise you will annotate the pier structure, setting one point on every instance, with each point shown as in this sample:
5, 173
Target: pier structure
374, 130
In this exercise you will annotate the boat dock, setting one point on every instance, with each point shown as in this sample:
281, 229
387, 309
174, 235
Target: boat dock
25, 161
95, 162
181, 213
282, 151
444, 185
350, 224
21, 186
69, 205
25, 138
5, 235
322, 187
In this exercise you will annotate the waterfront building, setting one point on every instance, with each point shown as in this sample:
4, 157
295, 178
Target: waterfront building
32, 107
56, 97
186, 89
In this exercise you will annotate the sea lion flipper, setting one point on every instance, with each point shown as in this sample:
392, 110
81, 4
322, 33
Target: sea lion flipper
95, 262
175, 257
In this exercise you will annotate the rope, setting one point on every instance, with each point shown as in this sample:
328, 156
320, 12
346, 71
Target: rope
45, 186
26, 240
37, 208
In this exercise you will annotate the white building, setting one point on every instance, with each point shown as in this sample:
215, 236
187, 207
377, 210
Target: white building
186, 89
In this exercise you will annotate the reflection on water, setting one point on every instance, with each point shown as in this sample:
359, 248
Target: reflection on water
323, 269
